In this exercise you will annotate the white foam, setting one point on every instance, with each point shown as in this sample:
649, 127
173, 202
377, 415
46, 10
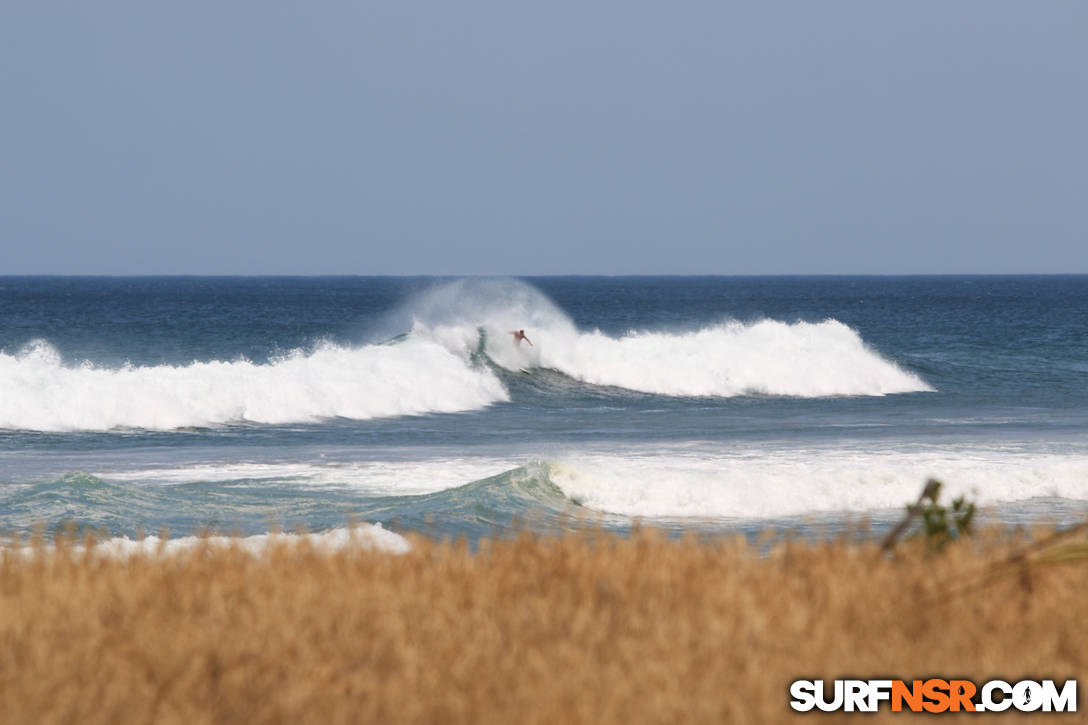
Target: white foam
789, 482
38, 391
767, 357
364, 537
373, 477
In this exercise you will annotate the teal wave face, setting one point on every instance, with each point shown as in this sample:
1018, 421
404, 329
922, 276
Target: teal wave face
77, 501
523, 497
81, 502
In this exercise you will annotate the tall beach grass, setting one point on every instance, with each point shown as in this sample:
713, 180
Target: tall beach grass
583, 628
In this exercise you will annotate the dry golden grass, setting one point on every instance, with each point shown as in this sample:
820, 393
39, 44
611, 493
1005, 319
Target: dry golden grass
593, 628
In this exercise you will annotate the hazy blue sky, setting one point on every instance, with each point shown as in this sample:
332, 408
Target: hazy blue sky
549, 137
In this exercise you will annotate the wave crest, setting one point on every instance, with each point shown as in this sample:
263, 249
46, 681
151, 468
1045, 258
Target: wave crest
768, 357
39, 392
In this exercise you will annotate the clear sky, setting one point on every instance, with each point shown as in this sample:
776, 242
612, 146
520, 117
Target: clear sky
546, 137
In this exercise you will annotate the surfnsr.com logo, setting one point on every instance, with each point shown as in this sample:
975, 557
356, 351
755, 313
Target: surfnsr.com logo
933, 695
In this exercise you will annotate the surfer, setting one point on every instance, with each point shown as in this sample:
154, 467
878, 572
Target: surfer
519, 335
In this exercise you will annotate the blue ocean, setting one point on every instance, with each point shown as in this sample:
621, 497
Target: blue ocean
133, 406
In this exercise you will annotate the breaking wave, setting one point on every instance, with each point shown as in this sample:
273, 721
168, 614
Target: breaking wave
450, 344
799, 481
38, 391
728, 359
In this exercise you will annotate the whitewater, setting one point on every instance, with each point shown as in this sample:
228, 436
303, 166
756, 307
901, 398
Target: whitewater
41, 392
443, 362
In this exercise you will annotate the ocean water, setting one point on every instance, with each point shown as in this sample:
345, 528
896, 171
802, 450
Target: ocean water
249, 405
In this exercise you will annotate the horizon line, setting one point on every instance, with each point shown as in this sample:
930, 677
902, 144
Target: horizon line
440, 275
